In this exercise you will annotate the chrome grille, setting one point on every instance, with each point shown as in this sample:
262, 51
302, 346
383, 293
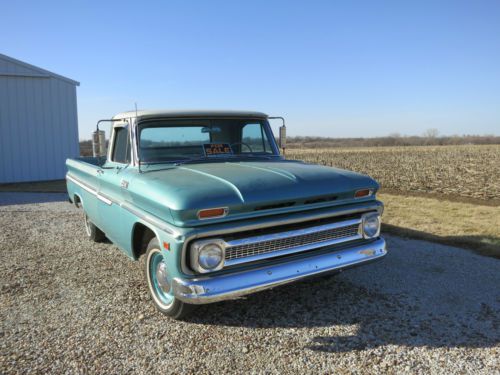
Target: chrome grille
266, 246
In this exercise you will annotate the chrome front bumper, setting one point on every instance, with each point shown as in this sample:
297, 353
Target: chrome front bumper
231, 286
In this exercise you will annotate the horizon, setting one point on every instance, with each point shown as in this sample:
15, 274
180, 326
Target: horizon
361, 70
402, 136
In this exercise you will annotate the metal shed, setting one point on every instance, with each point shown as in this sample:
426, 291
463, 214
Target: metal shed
38, 122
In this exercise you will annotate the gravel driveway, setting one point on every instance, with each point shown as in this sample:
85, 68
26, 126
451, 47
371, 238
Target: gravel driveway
68, 305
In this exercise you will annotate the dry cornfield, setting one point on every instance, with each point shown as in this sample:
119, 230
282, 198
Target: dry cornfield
467, 171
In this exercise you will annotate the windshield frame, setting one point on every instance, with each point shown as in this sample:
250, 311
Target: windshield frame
263, 121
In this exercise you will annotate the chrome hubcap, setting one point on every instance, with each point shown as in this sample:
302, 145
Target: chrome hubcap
161, 277
158, 279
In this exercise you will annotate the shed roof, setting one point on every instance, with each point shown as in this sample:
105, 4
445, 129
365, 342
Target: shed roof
29, 70
144, 114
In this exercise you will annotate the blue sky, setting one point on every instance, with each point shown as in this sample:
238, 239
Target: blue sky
332, 68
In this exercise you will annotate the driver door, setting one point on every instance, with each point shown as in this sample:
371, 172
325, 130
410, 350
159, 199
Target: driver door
113, 179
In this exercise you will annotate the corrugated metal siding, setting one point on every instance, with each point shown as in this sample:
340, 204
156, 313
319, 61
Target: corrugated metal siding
10, 67
38, 125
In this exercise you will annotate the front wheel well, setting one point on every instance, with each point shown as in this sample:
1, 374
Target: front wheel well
141, 235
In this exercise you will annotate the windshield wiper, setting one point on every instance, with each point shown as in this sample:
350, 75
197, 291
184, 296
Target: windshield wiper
267, 157
224, 158
174, 162
191, 160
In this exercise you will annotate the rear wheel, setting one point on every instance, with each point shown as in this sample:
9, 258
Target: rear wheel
156, 273
93, 233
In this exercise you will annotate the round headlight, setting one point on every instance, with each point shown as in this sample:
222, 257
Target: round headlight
371, 226
210, 256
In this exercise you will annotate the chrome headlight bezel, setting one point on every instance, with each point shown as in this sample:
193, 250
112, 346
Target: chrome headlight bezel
371, 218
197, 249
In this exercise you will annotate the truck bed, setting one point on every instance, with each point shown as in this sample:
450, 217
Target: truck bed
97, 161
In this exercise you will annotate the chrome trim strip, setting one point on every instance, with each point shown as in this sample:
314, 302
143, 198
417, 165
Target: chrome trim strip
102, 198
150, 219
292, 233
82, 184
234, 285
91, 190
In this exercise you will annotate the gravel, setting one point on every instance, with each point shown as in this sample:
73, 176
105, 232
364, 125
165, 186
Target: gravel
71, 306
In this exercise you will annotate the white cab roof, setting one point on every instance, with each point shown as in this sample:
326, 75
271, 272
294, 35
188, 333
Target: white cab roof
143, 114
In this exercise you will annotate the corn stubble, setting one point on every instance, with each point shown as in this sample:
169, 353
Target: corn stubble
468, 171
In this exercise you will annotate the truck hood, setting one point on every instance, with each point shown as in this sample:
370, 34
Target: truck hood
245, 188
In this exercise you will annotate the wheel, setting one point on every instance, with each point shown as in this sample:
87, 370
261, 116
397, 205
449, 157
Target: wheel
155, 269
93, 233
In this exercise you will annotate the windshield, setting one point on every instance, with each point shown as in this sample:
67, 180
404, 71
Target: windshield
178, 140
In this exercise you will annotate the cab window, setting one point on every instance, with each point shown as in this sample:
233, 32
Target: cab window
254, 136
121, 146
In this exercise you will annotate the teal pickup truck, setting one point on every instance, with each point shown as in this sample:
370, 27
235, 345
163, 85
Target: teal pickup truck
214, 211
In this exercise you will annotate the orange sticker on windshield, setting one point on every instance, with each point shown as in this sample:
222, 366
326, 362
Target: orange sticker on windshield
213, 149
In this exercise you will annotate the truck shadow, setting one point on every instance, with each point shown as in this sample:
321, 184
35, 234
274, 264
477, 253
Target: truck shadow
415, 315
14, 198
378, 320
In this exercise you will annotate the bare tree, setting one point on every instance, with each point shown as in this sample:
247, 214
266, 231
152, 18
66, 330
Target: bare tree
431, 133
395, 135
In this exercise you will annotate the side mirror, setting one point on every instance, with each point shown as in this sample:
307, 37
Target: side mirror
282, 137
99, 143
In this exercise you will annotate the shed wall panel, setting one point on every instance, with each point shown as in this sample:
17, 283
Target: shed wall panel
9, 67
38, 127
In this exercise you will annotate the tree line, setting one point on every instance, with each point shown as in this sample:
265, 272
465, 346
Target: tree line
430, 138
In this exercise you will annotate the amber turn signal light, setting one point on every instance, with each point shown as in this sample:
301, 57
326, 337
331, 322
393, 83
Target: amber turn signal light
212, 212
362, 193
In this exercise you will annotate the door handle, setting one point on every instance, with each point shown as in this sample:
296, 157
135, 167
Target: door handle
100, 171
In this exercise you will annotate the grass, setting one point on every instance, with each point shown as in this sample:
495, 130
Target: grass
472, 226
